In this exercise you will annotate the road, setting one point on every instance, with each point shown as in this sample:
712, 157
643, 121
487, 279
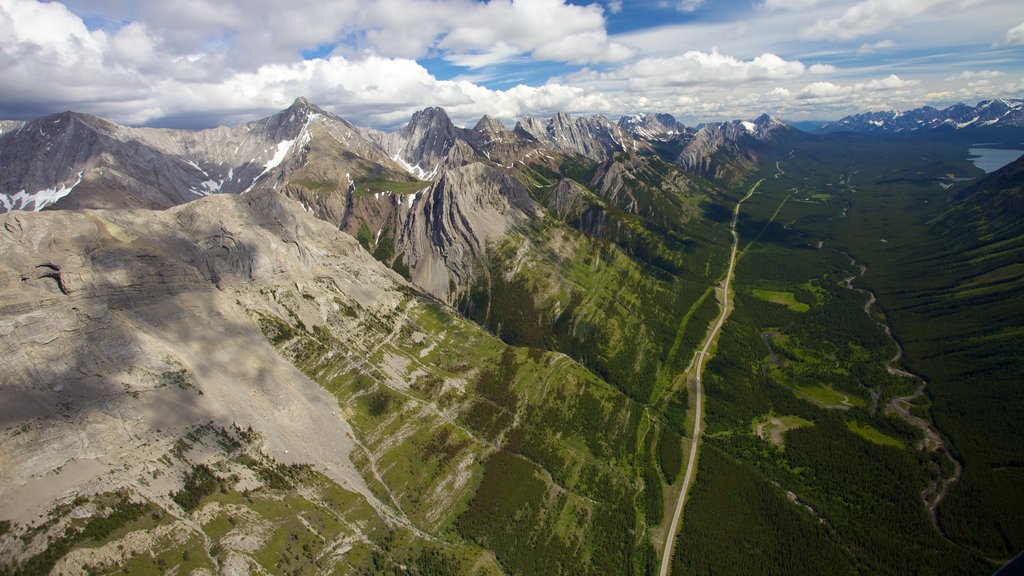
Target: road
697, 370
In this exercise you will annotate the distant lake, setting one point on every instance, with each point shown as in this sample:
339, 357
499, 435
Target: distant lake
992, 159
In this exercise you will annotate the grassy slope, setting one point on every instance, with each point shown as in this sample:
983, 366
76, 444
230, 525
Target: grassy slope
520, 451
626, 297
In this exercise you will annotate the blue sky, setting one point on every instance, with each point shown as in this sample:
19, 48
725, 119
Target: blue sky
206, 62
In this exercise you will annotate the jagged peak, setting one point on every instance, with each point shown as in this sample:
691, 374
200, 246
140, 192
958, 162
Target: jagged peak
767, 120
489, 124
69, 118
301, 109
648, 118
430, 116
302, 102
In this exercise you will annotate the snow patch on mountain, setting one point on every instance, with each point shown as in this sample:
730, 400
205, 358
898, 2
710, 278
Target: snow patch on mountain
39, 200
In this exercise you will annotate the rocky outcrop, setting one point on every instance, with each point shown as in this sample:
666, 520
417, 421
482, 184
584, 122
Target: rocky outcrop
445, 235
422, 146
653, 127
592, 137
121, 331
74, 160
728, 149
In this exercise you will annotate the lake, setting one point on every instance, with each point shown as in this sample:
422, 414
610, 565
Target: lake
992, 159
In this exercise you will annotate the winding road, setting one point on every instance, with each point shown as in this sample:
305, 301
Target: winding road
695, 373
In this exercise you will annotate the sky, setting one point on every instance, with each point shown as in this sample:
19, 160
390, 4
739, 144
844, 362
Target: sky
203, 63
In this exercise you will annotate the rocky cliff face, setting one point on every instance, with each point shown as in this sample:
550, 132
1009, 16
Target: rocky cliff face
85, 161
199, 384
121, 332
73, 157
653, 127
592, 137
422, 146
446, 232
728, 149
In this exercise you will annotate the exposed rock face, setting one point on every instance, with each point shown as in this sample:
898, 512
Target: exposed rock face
120, 331
592, 137
653, 127
723, 150
83, 161
363, 181
47, 159
445, 234
986, 113
423, 144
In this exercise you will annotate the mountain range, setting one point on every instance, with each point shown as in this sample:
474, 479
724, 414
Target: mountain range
986, 114
85, 161
298, 345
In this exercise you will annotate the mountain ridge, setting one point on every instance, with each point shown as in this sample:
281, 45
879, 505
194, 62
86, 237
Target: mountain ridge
986, 113
161, 167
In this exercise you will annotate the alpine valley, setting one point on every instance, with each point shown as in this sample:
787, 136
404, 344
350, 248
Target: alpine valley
301, 346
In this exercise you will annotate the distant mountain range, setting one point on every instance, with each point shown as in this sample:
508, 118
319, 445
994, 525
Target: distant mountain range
987, 113
83, 161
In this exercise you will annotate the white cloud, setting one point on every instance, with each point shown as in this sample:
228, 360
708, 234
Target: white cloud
974, 75
1014, 36
233, 60
786, 5
869, 17
689, 5
256, 32
546, 29
890, 82
875, 47
820, 90
830, 91
696, 67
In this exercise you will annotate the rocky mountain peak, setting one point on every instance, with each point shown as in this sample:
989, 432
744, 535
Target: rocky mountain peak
660, 126
593, 137
489, 125
766, 124
302, 109
432, 118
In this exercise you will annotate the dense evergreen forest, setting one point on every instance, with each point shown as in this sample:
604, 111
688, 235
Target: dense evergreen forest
807, 467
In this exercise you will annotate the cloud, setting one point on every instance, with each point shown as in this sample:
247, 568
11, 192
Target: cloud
203, 62
1014, 36
974, 75
48, 55
250, 33
877, 46
820, 90
787, 5
890, 82
545, 29
689, 5
696, 67
870, 17
830, 91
